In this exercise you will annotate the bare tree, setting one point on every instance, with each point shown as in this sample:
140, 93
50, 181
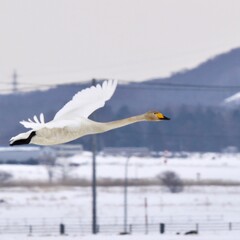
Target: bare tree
172, 181
49, 161
4, 176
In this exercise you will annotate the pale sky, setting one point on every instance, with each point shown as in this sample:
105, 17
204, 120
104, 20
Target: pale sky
57, 41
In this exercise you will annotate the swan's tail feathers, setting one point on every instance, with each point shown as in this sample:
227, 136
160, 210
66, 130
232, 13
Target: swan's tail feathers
35, 123
22, 138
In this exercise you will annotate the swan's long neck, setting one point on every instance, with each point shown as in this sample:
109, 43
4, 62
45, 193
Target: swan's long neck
104, 127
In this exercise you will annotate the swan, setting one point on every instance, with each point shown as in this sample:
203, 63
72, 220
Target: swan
72, 122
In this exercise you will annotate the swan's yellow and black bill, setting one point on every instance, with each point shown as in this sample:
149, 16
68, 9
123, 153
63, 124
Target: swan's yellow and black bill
161, 116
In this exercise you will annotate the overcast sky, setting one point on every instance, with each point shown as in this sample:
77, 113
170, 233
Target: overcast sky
56, 41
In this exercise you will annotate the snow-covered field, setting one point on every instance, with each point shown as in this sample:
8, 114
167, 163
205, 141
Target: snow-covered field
194, 166
232, 236
213, 208
208, 206
195, 204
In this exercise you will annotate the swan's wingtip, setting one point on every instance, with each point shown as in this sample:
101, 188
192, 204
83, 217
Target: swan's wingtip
111, 82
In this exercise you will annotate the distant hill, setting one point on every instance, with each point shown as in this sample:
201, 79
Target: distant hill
222, 70
162, 94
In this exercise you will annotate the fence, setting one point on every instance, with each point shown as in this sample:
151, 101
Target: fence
84, 229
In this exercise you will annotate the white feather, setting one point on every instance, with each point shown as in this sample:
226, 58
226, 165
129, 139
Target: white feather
42, 118
82, 104
36, 124
85, 102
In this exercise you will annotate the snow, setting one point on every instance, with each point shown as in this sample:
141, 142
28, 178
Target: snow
232, 236
212, 206
206, 166
195, 166
25, 172
234, 99
73, 204
19, 149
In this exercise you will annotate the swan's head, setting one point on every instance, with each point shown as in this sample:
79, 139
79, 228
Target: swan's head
155, 116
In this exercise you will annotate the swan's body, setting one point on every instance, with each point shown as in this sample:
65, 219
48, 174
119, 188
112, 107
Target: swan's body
72, 122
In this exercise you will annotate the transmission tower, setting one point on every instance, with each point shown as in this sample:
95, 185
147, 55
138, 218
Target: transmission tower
14, 82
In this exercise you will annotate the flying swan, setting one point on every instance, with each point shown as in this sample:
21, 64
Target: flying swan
72, 122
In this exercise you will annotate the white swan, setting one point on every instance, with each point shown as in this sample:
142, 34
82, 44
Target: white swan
71, 122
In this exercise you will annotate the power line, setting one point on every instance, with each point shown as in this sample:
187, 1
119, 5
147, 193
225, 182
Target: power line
181, 87
27, 86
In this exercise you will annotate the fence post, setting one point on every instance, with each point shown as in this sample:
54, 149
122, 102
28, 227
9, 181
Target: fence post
162, 228
230, 226
62, 229
130, 228
30, 230
197, 227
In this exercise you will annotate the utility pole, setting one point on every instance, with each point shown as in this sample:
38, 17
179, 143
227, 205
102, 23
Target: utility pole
14, 82
146, 215
125, 204
94, 182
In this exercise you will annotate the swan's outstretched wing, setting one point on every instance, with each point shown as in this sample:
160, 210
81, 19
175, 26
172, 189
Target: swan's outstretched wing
87, 101
35, 123
82, 105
